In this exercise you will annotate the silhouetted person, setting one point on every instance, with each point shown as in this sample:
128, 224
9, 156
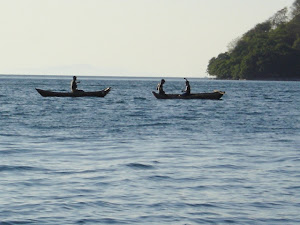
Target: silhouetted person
187, 90
74, 84
160, 87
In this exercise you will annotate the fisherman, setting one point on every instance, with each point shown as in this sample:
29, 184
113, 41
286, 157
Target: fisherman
74, 84
187, 90
160, 87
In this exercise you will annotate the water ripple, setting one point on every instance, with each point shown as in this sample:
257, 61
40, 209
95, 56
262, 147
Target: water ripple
4, 168
140, 166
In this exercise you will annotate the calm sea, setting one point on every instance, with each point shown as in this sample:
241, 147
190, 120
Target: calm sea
129, 158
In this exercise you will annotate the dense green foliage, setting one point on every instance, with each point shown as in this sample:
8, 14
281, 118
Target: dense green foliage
271, 50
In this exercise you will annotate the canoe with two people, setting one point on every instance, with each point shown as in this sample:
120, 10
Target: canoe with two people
186, 93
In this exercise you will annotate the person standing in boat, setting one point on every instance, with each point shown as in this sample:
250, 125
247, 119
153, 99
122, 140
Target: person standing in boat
160, 87
187, 90
74, 84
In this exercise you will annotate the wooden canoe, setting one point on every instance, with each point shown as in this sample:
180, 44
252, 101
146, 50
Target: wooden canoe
101, 93
213, 95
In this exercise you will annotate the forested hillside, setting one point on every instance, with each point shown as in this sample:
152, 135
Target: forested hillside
271, 50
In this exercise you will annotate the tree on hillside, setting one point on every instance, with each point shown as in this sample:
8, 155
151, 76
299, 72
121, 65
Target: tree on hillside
296, 8
270, 50
279, 18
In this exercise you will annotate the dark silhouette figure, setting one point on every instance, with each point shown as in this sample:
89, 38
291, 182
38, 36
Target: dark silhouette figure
160, 87
187, 90
74, 84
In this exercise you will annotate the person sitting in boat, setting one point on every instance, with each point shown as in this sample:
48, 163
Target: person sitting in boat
160, 87
187, 90
74, 84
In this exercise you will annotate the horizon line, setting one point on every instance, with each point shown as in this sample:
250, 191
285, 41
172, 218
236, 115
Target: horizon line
126, 76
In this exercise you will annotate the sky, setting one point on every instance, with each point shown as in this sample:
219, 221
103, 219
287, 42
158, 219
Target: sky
164, 38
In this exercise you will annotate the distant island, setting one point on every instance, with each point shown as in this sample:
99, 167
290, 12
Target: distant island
269, 51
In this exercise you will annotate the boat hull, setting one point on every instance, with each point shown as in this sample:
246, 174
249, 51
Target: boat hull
101, 93
216, 95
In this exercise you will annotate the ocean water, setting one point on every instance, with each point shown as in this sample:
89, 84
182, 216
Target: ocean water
129, 158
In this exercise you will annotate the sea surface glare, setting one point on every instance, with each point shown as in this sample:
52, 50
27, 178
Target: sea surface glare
129, 158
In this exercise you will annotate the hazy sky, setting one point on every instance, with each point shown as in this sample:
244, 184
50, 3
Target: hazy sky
123, 37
